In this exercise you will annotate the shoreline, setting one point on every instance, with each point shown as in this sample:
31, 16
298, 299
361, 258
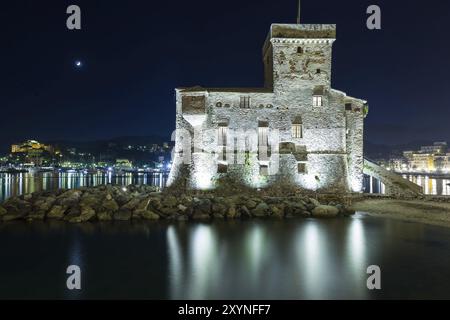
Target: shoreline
141, 202
428, 212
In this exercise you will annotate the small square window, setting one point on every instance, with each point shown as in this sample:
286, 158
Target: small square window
297, 131
317, 101
348, 106
264, 170
301, 167
318, 71
299, 50
222, 168
244, 102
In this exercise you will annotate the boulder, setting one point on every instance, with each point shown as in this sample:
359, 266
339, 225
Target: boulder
181, 208
90, 200
57, 212
110, 205
324, 211
149, 215
261, 210
277, 211
244, 212
37, 215
73, 213
27, 197
219, 210
155, 203
202, 209
87, 214
143, 204
44, 204
131, 205
104, 216
315, 202
17, 207
170, 201
2, 211
294, 209
122, 215
251, 204
231, 212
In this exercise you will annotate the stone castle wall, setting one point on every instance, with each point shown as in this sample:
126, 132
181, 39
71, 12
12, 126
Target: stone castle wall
296, 70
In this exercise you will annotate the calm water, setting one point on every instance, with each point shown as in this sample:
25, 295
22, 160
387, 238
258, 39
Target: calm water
293, 259
23, 183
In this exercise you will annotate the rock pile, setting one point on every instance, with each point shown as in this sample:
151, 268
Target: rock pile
106, 203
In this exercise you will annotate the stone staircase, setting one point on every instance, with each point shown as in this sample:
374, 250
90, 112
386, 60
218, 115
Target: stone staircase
395, 185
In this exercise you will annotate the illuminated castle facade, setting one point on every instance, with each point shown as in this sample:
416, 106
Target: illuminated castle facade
296, 128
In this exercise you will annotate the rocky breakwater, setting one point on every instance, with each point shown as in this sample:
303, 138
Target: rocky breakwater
108, 203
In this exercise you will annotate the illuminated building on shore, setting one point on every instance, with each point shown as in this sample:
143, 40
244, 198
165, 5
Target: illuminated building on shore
296, 128
429, 159
34, 153
31, 146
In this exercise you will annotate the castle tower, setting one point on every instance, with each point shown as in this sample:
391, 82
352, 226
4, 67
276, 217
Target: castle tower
298, 57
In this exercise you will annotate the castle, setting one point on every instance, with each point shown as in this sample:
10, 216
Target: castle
296, 128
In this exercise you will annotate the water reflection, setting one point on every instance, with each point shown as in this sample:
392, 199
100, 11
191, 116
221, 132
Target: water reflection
25, 183
305, 261
431, 185
292, 259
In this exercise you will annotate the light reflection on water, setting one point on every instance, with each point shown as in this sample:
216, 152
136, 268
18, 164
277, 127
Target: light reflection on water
431, 185
25, 183
258, 259
311, 260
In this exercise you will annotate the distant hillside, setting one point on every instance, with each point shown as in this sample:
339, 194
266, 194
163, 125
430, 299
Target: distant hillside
98, 145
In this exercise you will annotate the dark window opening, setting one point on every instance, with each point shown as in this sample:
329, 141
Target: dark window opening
299, 50
222, 168
348, 106
301, 167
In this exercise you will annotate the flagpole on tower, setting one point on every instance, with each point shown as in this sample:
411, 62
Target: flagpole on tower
298, 14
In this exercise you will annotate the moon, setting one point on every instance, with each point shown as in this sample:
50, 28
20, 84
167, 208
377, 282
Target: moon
78, 64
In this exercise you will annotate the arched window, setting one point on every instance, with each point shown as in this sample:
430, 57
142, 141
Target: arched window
297, 127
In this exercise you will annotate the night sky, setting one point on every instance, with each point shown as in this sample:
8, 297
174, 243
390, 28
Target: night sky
135, 52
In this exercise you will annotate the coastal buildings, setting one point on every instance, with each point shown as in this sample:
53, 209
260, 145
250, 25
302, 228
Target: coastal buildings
33, 153
30, 146
433, 159
295, 128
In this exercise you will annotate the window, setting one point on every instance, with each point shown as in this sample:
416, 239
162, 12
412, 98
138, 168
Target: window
219, 104
264, 170
318, 71
222, 168
222, 141
301, 167
263, 141
222, 137
297, 131
299, 50
317, 101
245, 102
348, 106
297, 128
